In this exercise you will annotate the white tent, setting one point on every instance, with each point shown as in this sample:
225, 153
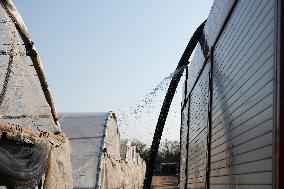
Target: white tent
95, 157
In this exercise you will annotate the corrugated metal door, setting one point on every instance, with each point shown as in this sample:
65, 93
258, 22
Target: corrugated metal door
242, 144
243, 93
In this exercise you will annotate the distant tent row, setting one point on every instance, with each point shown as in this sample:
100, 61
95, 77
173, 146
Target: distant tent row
128, 152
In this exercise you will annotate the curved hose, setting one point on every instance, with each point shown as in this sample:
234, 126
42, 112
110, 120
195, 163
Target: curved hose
167, 103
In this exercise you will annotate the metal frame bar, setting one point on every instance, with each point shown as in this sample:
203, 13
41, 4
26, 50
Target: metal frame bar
279, 129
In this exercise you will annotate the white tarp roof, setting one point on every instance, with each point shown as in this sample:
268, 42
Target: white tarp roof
86, 134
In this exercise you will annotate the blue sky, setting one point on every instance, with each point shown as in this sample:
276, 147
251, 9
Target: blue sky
99, 55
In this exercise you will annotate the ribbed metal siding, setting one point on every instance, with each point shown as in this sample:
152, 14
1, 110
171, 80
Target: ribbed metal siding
197, 143
243, 73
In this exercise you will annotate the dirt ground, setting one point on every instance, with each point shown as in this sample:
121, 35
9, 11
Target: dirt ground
165, 182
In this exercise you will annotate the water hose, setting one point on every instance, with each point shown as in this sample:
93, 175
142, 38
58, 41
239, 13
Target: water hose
167, 103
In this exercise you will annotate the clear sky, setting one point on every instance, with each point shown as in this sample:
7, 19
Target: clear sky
101, 54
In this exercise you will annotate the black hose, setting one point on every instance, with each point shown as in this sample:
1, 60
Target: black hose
167, 103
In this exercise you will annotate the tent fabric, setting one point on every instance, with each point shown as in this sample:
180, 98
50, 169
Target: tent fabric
31, 142
31, 51
21, 163
86, 132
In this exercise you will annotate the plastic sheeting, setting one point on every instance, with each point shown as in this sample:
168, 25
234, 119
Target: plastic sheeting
31, 143
30, 51
86, 133
22, 100
96, 157
17, 168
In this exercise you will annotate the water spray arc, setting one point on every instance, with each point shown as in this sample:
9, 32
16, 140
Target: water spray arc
167, 103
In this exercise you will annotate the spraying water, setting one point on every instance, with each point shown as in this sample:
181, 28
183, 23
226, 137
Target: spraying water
167, 103
137, 121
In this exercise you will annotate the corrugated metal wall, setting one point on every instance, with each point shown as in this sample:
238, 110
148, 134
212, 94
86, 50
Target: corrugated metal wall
242, 112
197, 143
242, 106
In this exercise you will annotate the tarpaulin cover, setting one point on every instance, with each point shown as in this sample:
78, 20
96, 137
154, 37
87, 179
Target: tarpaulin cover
28, 124
86, 134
